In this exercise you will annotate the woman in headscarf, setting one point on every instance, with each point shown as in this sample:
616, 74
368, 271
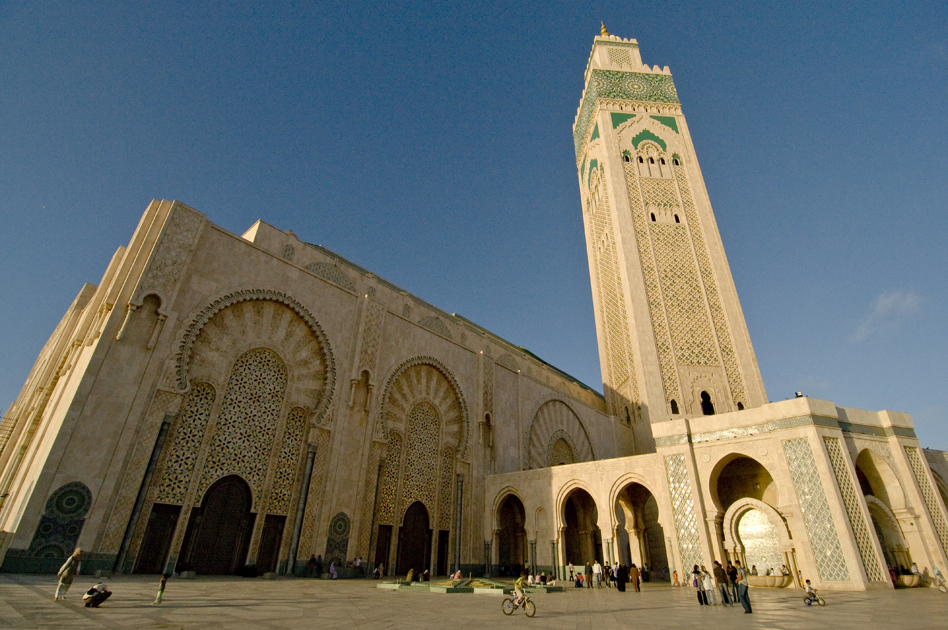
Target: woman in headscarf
332, 570
697, 581
622, 576
67, 572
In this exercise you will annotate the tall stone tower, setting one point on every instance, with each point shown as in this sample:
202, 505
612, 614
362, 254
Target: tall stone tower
672, 337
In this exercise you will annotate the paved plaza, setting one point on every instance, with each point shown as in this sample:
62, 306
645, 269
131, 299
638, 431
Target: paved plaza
26, 601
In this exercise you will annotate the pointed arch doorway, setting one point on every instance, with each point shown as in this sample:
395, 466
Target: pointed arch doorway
219, 531
414, 540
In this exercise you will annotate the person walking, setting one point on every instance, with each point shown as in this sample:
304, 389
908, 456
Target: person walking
720, 578
597, 574
607, 575
634, 577
698, 584
572, 577
319, 566
67, 572
161, 588
588, 579
622, 576
742, 585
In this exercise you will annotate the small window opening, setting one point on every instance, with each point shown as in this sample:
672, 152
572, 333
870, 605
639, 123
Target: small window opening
641, 161
674, 406
628, 417
661, 160
707, 407
653, 216
740, 406
677, 220
651, 160
625, 158
676, 162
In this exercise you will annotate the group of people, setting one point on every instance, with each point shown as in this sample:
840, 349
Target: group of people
597, 575
730, 582
314, 568
771, 571
99, 591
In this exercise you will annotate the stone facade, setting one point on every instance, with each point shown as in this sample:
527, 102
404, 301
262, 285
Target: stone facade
220, 402
338, 399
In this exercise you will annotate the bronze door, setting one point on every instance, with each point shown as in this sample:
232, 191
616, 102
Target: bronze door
221, 528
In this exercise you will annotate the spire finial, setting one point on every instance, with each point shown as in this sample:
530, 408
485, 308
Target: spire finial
605, 33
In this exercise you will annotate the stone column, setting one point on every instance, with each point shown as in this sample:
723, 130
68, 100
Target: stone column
488, 552
792, 556
561, 558
533, 556
458, 508
554, 560
635, 546
301, 508
142, 492
716, 527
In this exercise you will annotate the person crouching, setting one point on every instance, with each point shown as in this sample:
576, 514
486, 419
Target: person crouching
96, 595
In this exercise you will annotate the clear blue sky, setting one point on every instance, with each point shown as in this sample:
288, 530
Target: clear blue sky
431, 144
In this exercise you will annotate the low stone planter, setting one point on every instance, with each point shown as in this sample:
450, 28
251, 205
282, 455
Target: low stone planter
770, 581
908, 581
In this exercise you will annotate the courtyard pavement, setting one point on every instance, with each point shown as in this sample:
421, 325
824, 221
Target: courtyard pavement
26, 601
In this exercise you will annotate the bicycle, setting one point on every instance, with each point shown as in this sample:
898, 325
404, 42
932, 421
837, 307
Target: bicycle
809, 598
509, 605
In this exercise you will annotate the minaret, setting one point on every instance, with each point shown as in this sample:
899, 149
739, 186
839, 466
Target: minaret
672, 337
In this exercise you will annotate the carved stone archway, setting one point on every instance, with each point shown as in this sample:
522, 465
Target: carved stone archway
554, 420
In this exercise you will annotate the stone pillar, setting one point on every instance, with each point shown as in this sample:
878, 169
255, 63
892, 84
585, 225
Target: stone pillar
142, 491
670, 554
301, 508
495, 547
561, 543
554, 560
488, 568
635, 546
794, 569
716, 527
533, 556
458, 510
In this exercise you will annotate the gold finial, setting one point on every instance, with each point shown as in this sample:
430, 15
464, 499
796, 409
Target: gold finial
605, 33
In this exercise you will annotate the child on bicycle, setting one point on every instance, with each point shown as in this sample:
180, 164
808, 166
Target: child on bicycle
518, 588
810, 591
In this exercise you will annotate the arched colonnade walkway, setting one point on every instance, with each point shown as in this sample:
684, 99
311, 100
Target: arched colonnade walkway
812, 503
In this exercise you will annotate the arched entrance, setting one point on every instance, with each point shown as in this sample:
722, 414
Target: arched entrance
742, 477
756, 534
512, 540
583, 539
750, 527
641, 538
883, 494
219, 531
414, 540
761, 542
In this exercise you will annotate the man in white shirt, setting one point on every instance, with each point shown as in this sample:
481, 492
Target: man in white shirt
597, 574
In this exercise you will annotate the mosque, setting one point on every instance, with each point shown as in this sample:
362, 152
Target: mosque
224, 403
